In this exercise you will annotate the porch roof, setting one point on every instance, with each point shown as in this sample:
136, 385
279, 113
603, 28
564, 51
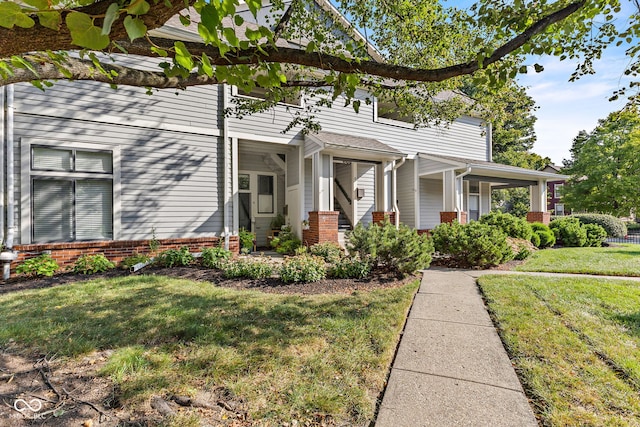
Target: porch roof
496, 173
349, 146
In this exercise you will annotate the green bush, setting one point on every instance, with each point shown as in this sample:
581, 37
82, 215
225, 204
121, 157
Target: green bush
400, 251
613, 226
246, 240
42, 265
472, 245
329, 251
595, 235
512, 226
92, 264
350, 268
174, 257
212, 257
134, 259
303, 268
542, 236
286, 242
569, 232
254, 268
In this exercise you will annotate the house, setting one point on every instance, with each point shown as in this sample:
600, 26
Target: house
81, 176
554, 192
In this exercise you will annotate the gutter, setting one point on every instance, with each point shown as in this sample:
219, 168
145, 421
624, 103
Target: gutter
227, 173
396, 209
8, 254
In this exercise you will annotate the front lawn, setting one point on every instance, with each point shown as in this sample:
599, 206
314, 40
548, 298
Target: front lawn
288, 357
619, 260
575, 343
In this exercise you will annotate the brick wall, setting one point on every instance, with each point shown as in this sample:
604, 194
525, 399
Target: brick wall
115, 250
543, 217
323, 227
379, 217
449, 217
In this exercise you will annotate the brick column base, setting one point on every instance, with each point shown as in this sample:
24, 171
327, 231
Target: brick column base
543, 217
379, 217
449, 217
323, 227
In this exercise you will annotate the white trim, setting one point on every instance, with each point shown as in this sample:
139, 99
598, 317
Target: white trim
264, 138
300, 105
122, 121
253, 189
390, 122
25, 180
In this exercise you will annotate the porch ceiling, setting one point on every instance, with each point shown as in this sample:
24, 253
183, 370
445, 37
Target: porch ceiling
496, 173
353, 147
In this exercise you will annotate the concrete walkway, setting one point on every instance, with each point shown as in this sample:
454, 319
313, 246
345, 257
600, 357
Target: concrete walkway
451, 368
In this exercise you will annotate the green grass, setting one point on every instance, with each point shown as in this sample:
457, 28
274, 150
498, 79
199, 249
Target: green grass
575, 343
288, 356
619, 260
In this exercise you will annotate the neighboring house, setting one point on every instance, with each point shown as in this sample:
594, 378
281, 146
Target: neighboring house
89, 169
554, 192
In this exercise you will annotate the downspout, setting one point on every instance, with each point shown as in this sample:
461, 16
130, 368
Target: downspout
3, 106
227, 170
458, 196
8, 255
394, 175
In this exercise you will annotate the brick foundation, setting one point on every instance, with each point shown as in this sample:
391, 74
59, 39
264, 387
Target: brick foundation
379, 217
543, 217
115, 250
449, 217
323, 227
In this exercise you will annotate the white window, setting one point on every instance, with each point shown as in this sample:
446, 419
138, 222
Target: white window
557, 190
559, 209
70, 193
388, 112
258, 194
474, 200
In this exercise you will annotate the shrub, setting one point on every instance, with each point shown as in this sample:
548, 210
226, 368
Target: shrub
512, 226
542, 236
212, 257
42, 265
613, 226
134, 259
472, 245
569, 232
91, 264
174, 257
329, 251
246, 240
595, 235
400, 251
350, 268
251, 268
303, 268
286, 243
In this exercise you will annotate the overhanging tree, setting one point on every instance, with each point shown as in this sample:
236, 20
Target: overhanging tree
424, 48
605, 167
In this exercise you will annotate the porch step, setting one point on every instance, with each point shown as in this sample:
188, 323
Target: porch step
343, 221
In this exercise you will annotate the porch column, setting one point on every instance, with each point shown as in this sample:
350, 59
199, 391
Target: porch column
452, 199
322, 182
323, 227
538, 203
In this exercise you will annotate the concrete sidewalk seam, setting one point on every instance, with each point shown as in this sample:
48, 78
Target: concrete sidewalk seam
460, 379
452, 321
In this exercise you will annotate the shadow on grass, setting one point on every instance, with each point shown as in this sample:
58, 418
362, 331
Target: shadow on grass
630, 321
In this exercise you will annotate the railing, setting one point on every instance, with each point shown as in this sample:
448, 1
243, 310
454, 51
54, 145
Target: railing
630, 238
342, 190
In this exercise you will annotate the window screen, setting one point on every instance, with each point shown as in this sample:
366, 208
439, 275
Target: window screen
52, 210
50, 159
265, 194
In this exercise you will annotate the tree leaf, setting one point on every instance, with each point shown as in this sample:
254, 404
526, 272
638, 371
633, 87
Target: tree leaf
12, 15
84, 33
110, 16
210, 18
238, 19
135, 27
183, 57
207, 68
138, 7
50, 19
38, 4
254, 6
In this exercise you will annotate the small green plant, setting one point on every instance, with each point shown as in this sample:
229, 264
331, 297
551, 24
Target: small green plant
303, 268
542, 236
613, 226
174, 257
246, 240
42, 265
212, 257
350, 268
569, 232
522, 254
277, 222
595, 235
134, 259
286, 243
154, 243
92, 264
329, 251
511, 225
251, 268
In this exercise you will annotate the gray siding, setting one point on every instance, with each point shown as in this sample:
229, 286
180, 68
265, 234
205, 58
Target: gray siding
407, 192
170, 181
463, 138
365, 178
430, 203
